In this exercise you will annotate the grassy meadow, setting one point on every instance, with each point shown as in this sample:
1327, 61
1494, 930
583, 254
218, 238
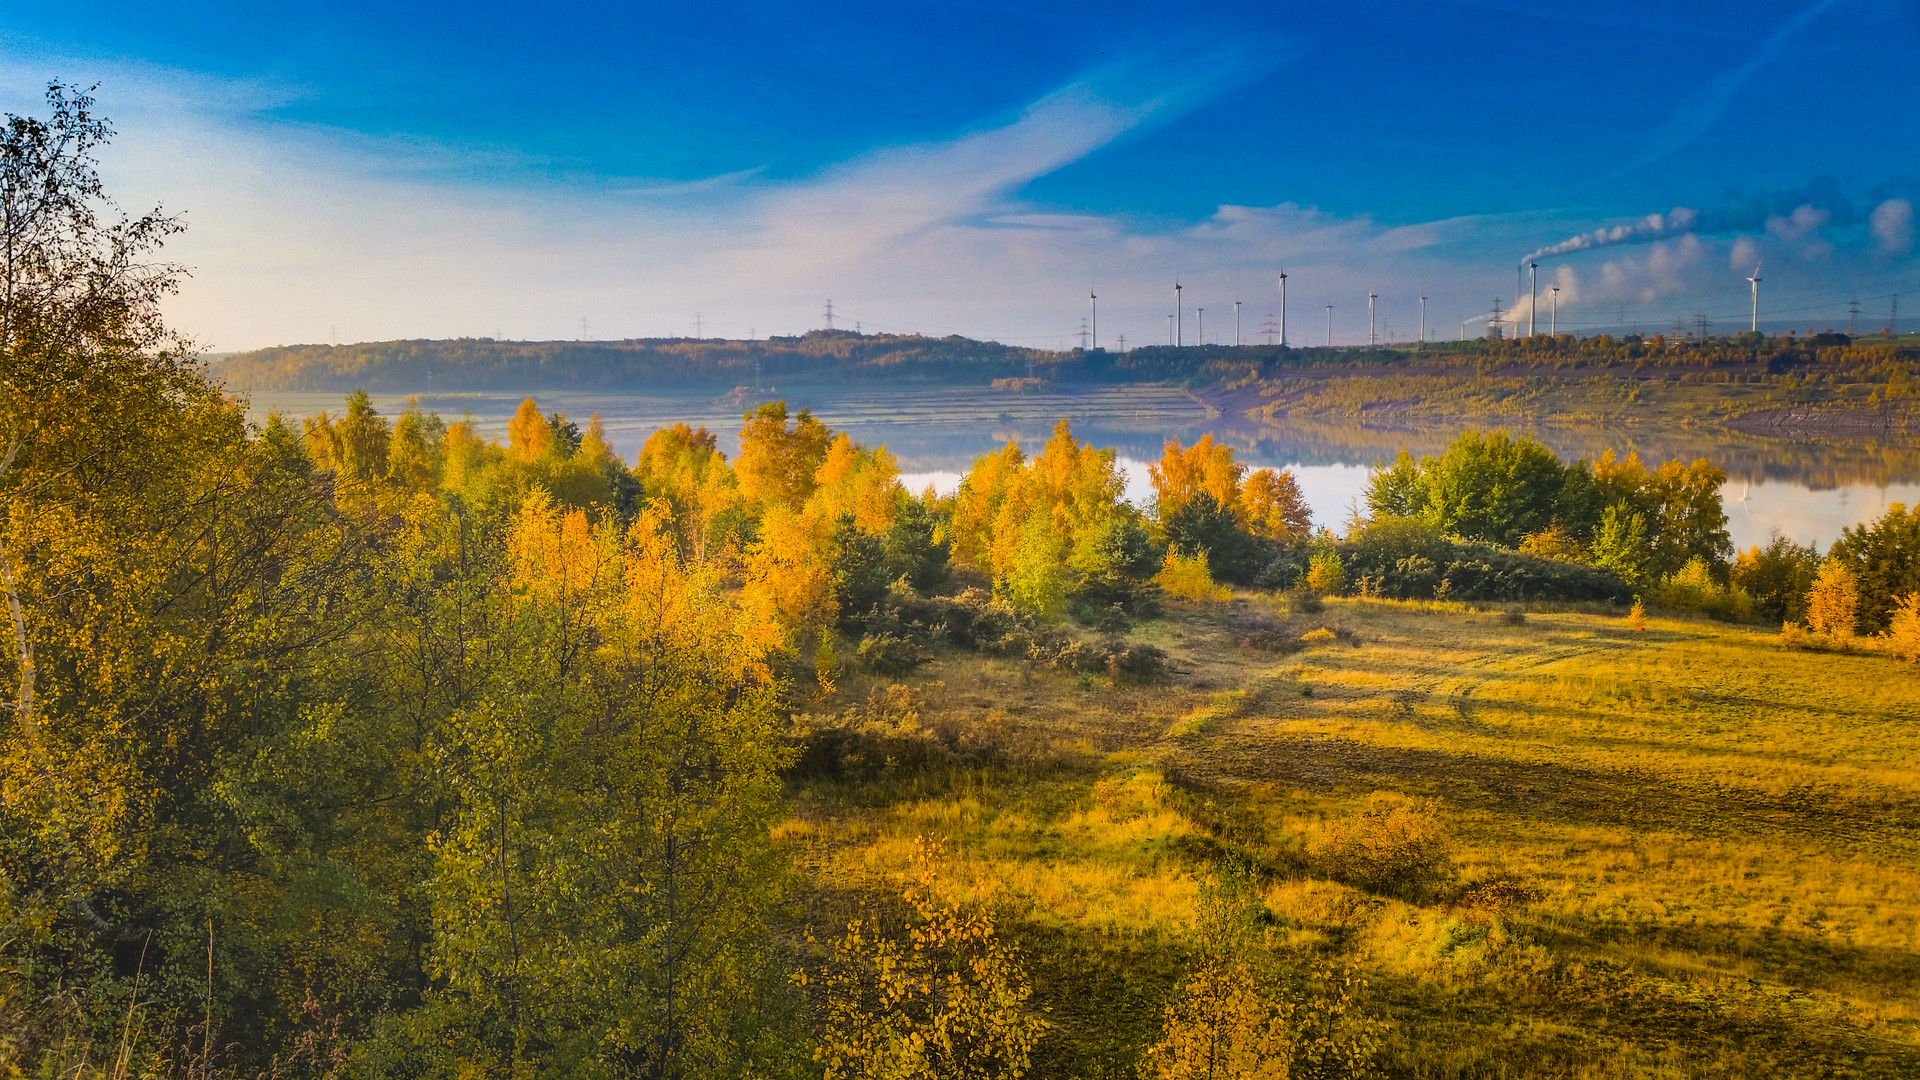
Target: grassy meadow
1674, 851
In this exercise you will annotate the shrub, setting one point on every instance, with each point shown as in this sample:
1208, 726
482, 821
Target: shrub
1693, 588
1392, 846
1326, 575
1319, 635
1637, 616
1135, 663
1514, 617
1554, 542
1286, 565
1113, 620
1187, 577
826, 664
886, 654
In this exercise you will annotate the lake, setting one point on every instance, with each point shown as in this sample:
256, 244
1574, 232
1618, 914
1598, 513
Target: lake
1806, 490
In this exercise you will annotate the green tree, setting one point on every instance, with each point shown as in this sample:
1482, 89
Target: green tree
1620, 545
1884, 557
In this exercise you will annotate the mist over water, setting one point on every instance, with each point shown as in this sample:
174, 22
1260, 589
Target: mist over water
1806, 491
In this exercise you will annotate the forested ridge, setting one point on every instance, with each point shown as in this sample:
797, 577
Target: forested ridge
837, 356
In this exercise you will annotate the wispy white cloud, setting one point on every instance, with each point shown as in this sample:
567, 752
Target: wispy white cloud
1700, 111
299, 232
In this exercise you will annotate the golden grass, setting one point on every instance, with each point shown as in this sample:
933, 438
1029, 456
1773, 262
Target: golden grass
1720, 838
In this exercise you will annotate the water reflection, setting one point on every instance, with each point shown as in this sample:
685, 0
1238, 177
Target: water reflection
1806, 490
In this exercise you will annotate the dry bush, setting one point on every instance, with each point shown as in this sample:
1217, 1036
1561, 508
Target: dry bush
1392, 846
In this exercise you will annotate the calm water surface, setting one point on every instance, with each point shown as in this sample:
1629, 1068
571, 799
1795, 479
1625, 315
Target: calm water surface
1806, 491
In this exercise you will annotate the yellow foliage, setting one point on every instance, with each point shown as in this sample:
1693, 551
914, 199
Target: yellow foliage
1274, 505
1903, 633
1222, 1028
947, 1004
1205, 468
1835, 599
857, 482
1072, 489
1554, 542
528, 435
1187, 577
679, 466
779, 459
1326, 575
788, 578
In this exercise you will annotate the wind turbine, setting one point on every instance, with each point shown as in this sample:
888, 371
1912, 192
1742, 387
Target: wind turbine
1533, 297
1180, 312
1423, 319
1236, 323
1283, 309
1553, 320
1372, 337
1753, 280
1093, 301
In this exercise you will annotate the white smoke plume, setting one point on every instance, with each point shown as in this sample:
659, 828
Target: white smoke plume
1649, 228
1790, 214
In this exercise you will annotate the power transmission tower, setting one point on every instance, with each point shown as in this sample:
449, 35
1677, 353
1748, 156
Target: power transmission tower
1269, 328
1493, 324
1893, 317
699, 327
1083, 332
1853, 319
1701, 322
1123, 343
585, 330
829, 314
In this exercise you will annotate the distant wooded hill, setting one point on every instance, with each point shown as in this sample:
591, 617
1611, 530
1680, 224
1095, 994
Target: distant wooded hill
820, 356
839, 356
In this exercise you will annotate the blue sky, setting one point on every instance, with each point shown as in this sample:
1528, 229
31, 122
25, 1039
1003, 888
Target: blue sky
368, 171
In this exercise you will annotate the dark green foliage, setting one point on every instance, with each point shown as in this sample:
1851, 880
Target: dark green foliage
1408, 559
1778, 577
566, 435
861, 573
909, 550
624, 486
1201, 524
1485, 487
1286, 564
1116, 567
1885, 559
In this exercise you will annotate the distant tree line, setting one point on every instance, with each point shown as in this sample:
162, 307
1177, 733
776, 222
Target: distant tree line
838, 356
